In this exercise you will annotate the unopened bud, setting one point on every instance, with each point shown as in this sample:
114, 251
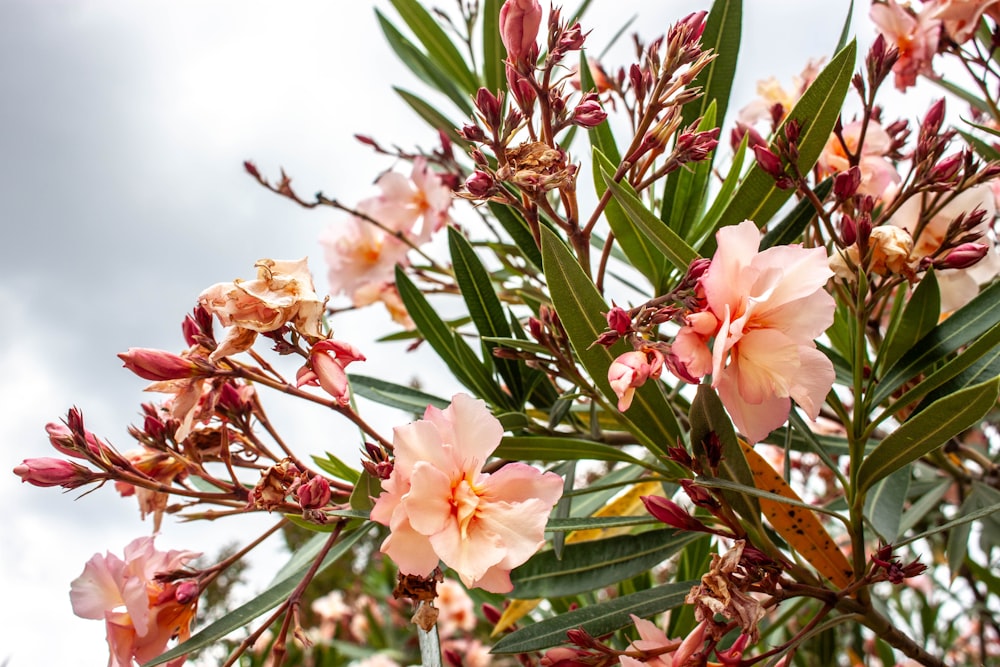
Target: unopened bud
186, 592
589, 112
489, 106
672, 514
963, 256
472, 133
314, 494
934, 119
769, 162
46, 471
519, 24
619, 320
848, 231
158, 365
846, 183
945, 170
480, 184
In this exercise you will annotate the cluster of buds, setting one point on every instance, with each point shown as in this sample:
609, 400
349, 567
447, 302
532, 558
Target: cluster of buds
285, 479
780, 163
888, 568
377, 463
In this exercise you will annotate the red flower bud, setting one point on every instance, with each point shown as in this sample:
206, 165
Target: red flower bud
314, 494
619, 320
589, 112
963, 256
480, 184
47, 471
769, 162
158, 365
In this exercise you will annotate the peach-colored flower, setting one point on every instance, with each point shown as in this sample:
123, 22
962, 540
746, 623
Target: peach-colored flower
440, 505
404, 201
141, 614
281, 294
455, 609
662, 651
157, 466
958, 286
915, 35
388, 294
771, 92
359, 254
631, 370
961, 17
764, 310
878, 174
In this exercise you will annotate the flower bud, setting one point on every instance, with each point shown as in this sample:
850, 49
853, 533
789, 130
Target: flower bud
672, 514
589, 112
848, 230
158, 365
489, 105
186, 592
327, 361
472, 133
314, 494
846, 183
769, 162
963, 256
619, 320
519, 23
480, 184
631, 370
46, 471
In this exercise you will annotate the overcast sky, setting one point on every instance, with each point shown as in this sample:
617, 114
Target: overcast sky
123, 127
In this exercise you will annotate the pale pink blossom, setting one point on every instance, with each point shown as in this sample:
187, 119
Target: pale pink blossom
662, 651
961, 17
440, 505
764, 310
403, 202
359, 254
915, 35
326, 368
630, 371
282, 293
456, 611
140, 613
771, 92
388, 294
878, 174
958, 286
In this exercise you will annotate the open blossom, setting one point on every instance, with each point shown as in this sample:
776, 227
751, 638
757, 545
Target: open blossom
141, 614
359, 254
281, 294
403, 202
770, 92
158, 466
764, 310
958, 286
878, 175
961, 17
663, 652
890, 249
915, 35
440, 505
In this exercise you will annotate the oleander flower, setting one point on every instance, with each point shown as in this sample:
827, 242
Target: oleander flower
764, 310
141, 613
662, 651
282, 293
440, 505
770, 92
403, 201
915, 35
630, 370
328, 360
878, 175
958, 286
961, 17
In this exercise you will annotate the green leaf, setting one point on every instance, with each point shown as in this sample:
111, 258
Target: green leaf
596, 619
655, 234
884, 504
422, 66
921, 314
267, 600
334, 466
687, 187
547, 448
484, 307
985, 357
453, 350
596, 523
601, 136
586, 566
708, 416
757, 197
579, 306
440, 49
722, 34
367, 488
961, 520
963, 327
432, 116
928, 430
926, 502
520, 234
394, 395
710, 220
845, 32
790, 229
494, 52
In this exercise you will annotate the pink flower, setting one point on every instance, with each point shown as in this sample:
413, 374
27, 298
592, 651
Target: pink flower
878, 175
770, 92
519, 24
281, 294
359, 254
630, 371
327, 361
958, 286
404, 201
961, 17
141, 614
456, 609
440, 505
663, 652
764, 310
915, 35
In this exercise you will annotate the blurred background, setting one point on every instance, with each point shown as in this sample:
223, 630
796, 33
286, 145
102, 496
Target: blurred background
123, 129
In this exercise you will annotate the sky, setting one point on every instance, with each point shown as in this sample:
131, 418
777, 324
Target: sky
123, 128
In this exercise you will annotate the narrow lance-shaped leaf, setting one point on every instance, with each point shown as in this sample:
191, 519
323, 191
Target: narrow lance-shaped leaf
579, 306
435, 40
494, 52
684, 203
928, 430
758, 198
919, 316
432, 116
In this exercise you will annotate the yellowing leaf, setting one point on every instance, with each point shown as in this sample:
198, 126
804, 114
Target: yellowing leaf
799, 527
627, 504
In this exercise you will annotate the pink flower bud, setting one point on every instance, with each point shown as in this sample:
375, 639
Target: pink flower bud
186, 592
619, 320
157, 365
327, 361
480, 184
934, 119
519, 23
47, 471
769, 162
589, 112
692, 643
846, 183
631, 370
963, 256
489, 105
946, 169
314, 494
848, 230
671, 514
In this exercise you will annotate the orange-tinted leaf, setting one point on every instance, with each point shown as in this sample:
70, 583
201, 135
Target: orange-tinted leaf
799, 527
